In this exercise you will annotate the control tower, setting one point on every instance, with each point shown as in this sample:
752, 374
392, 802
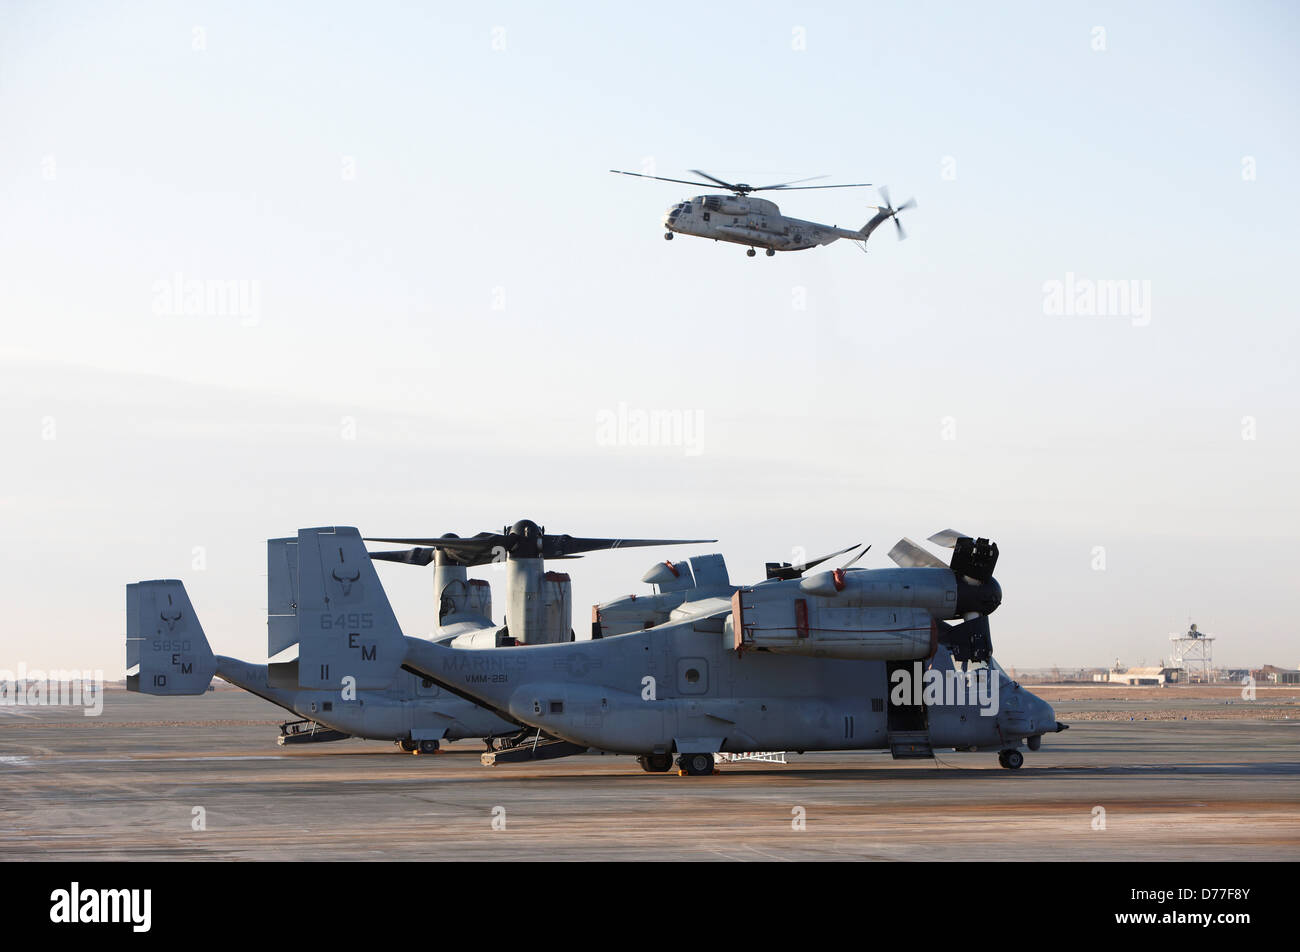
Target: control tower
1194, 651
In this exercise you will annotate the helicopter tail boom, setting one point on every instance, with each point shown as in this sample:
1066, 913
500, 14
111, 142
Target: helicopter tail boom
882, 216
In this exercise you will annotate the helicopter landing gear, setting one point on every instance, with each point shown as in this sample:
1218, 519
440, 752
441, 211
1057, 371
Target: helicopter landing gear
655, 763
668, 236
770, 252
750, 252
408, 745
429, 746
1011, 759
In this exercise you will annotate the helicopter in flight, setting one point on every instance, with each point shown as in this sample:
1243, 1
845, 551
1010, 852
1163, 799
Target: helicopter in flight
757, 222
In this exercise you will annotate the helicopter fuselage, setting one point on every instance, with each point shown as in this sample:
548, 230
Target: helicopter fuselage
755, 222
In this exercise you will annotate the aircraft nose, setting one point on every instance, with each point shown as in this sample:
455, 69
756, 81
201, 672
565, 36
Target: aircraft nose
1042, 714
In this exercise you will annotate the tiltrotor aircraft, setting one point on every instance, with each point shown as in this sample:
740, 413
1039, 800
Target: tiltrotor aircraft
758, 223
849, 659
166, 640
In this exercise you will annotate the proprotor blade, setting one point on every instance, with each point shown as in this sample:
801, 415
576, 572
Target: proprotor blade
908, 555
479, 550
853, 561
491, 546
561, 545
420, 556
788, 570
948, 537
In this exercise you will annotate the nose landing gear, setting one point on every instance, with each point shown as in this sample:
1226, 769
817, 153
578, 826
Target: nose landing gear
770, 252
1011, 759
750, 252
668, 236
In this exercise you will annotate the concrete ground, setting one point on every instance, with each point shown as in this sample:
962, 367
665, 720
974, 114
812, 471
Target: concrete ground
125, 785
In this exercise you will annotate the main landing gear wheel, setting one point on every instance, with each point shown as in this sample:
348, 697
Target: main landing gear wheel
428, 746
770, 252
410, 746
696, 765
668, 236
1011, 759
750, 252
655, 763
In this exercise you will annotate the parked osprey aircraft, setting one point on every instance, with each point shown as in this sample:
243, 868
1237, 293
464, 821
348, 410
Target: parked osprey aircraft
850, 659
166, 642
759, 223
165, 639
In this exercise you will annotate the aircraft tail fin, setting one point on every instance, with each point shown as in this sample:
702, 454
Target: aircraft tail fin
281, 595
165, 643
346, 626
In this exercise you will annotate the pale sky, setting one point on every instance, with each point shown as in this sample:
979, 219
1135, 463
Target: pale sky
445, 289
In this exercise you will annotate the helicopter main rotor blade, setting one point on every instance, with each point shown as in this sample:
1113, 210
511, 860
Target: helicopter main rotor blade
796, 188
659, 178
811, 178
716, 181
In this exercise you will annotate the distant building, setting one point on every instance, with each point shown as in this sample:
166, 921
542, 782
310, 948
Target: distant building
1275, 675
1157, 675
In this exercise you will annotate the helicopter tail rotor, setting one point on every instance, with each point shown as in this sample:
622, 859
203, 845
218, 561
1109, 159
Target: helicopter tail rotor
884, 213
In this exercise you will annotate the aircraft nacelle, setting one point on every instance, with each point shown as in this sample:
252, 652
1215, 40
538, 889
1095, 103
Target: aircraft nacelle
677, 583
460, 597
633, 613
936, 590
539, 603
784, 619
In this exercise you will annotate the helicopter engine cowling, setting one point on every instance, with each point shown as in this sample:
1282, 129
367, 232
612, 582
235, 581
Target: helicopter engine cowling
726, 205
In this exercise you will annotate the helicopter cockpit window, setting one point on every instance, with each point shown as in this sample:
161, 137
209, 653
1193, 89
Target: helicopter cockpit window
686, 209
